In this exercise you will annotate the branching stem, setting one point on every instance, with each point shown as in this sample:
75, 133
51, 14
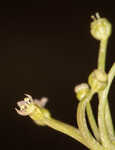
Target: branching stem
101, 112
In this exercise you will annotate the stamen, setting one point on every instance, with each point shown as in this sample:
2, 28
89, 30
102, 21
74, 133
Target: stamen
97, 15
93, 17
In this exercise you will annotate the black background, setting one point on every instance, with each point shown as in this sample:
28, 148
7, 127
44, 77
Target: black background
45, 50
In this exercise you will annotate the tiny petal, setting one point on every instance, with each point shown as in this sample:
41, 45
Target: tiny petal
42, 102
20, 112
29, 96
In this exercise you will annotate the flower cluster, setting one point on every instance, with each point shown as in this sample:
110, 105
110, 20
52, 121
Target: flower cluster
99, 82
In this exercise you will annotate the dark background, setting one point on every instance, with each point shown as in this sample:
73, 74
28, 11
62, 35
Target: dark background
45, 50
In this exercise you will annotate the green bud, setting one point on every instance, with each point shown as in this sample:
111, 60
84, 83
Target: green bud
100, 28
81, 90
97, 80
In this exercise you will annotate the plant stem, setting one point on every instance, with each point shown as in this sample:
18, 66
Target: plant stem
92, 121
101, 66
64, 128
101, 112
82, 124
102, 54
109, 122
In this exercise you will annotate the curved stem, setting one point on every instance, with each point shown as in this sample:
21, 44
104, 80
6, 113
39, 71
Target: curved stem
101, 112
82, 124
92, 121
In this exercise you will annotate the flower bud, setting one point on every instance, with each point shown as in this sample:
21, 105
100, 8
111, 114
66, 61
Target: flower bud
100, 28
97, 80
81, 90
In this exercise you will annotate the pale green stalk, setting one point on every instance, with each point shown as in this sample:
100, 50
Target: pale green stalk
106, 142
109, 122
64, 128
82, 124
102, 54
101, 66
92, 121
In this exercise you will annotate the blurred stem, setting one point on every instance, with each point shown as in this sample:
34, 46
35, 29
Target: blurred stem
109, 122
101, 112
101, 66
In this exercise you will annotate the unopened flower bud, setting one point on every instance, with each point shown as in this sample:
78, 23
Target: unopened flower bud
98, 80
100, 28
81, 90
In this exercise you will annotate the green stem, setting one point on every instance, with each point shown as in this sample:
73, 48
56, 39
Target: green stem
102, 54
101, 65
109, 122
64, 128
92, 121
82, 124
101, 112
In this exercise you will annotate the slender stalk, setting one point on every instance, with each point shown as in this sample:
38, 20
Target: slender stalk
64, 128
92, 121
106, 142
101, 65
109, 122
82, 124
102, 54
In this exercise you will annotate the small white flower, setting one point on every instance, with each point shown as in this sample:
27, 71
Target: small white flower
28, 105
